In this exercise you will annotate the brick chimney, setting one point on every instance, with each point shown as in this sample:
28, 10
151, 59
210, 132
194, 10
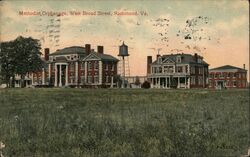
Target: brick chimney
100, 49
157, 56
46, 54
196, 57
87, 49
244, 66
149, 61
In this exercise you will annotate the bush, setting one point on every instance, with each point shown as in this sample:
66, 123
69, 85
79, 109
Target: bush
146, 85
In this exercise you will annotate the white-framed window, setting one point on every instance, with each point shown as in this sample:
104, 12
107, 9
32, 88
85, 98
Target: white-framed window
192, 79
200, 80
178, 59
107, 78
89, 79
51, 58
106, 66
72, 66
192, 70
179, 69
83, 66
234, 83
186, 68
82, 79
72, 79
89, 65
96, 79
96, 65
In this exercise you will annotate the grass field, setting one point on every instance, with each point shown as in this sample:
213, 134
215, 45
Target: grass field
123, 123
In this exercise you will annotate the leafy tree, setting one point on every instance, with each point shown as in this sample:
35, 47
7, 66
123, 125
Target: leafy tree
20, 56
27, 51
7, 62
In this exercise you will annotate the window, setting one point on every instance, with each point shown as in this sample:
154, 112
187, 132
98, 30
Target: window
83, 66
72, 67
179, 69
107, 79
82, 79
200, 70
96, 65
192, 69
160, 70
193, 80
178, 59
72, 79
96, 79
235, 74
106, 66
200, 80
234, 83
89, 79
168, 69
222, 75
186, 68
113, 67
89, 65
211, 75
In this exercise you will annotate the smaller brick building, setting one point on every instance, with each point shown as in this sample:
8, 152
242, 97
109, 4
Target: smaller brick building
228, 77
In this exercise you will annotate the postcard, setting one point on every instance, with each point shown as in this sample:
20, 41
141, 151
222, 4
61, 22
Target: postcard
142, 78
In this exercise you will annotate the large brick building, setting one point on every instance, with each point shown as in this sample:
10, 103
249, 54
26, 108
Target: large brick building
177, 71
228, 77
77, 65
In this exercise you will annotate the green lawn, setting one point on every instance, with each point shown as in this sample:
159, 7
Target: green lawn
123, 123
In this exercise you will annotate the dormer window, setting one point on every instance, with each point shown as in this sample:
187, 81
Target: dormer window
178, 59
51, 58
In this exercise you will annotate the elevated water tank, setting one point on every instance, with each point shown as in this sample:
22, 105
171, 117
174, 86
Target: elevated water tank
123, 50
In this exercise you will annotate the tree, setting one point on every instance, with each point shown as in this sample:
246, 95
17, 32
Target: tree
27, 51
7, 62
20, 56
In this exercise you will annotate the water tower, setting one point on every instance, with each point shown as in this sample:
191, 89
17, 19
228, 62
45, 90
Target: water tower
124, 64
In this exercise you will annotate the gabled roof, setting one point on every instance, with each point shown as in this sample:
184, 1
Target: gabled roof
70, 50
185, 58
228, 67
103, 57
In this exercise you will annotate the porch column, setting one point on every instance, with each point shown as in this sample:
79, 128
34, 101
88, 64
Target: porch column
100, 74
85, 71
43, 77
169, 82
66, 77
55, 84
178, 86
49, 71
32, 78
189, 80
159, 82
60, 73
76, 72
112, 80
185, 82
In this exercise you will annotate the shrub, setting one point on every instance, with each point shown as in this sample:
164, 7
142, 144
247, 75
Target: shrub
146, 85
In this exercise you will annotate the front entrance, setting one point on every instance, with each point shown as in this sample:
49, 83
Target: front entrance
220, 84
60, 79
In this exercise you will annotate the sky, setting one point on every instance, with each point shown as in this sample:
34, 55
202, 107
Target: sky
218, 30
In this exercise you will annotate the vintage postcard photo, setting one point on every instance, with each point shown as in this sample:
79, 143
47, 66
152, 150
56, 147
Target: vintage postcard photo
124, 78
